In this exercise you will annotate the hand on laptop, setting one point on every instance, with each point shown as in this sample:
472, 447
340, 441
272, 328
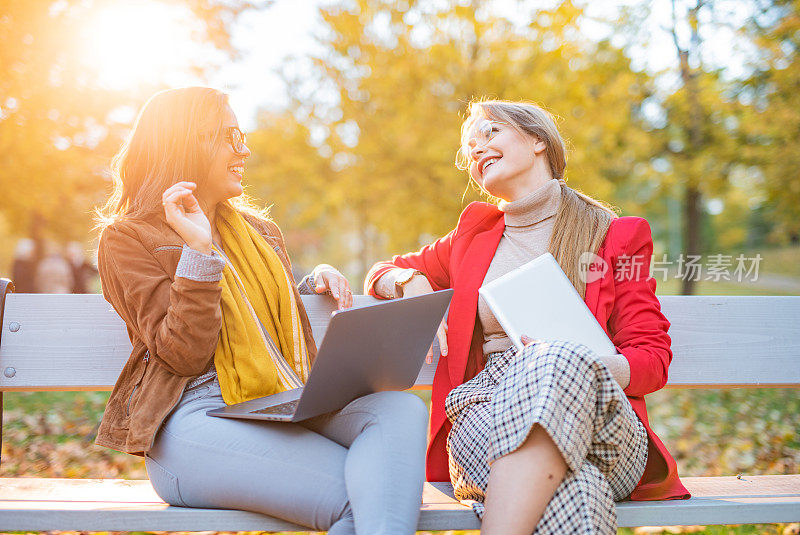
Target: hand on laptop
328, 279
419, 285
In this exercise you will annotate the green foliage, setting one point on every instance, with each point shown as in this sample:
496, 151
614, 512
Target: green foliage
770, 133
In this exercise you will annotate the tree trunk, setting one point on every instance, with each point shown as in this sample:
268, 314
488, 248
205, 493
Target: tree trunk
37, 232
693, 207
692, 233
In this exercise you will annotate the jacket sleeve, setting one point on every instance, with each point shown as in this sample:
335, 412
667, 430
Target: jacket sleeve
179, 321
637, 326
433, 261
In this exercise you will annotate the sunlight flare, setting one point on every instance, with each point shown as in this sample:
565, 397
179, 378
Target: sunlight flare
132, 43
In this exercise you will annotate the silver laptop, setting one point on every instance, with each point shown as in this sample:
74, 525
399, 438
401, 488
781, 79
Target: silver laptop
365, 350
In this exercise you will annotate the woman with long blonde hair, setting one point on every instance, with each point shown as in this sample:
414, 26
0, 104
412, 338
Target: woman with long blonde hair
544, 439
204, 285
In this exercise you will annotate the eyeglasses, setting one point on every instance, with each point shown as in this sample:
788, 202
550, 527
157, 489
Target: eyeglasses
481, 133
236, 138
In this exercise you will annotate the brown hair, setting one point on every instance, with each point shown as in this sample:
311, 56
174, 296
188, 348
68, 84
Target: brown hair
581, 222
173, 139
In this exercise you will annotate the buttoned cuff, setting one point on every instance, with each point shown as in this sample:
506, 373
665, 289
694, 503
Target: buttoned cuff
200, 267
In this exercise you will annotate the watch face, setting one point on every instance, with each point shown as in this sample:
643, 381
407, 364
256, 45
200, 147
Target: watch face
406, 276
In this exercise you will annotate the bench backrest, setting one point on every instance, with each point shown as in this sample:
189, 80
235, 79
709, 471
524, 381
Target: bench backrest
77, 342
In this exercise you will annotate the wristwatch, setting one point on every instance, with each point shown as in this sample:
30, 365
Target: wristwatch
402, 278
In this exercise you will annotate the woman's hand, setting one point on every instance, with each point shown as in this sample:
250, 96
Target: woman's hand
419, 285
185, 216
328, 278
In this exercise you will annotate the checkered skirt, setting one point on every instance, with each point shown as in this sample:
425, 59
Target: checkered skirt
568, 391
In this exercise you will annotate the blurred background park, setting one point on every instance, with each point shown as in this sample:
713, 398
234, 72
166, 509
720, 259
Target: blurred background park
686, 112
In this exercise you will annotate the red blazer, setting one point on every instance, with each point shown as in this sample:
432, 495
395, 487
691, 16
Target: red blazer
622, 300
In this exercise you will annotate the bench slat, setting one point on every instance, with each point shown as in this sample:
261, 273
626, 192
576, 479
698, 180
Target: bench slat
68, 342
118, 505
74, 342
734, 340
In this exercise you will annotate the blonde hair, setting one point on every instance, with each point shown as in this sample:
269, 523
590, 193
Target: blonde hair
173, 139
581, 221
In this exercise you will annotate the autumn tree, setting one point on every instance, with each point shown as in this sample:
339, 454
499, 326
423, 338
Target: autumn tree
699, 132
394, 79
290, 175
698, 119
386, 95
58, 124
771, 131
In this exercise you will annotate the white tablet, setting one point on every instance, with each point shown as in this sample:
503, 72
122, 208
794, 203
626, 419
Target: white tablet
538, 300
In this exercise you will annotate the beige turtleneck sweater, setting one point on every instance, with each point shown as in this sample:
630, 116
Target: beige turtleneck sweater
529, 224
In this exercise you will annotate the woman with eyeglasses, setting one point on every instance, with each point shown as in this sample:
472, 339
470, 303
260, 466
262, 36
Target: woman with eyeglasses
202, 280
544, 439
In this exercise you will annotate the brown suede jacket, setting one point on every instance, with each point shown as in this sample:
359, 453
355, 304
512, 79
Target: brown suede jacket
173, 323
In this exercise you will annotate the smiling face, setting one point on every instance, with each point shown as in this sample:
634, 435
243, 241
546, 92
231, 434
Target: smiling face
503, 161
226, 166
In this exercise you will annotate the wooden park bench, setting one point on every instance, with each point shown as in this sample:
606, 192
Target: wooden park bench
77, 342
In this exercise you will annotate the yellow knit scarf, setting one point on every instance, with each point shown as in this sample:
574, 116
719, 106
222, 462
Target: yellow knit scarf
261, 348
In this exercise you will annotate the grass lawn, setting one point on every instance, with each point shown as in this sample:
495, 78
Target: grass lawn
780, 260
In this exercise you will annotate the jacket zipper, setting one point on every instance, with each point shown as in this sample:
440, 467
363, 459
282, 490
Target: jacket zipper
161, 422
136, 386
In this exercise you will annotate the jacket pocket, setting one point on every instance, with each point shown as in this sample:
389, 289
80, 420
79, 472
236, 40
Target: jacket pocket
168, 248
137, 383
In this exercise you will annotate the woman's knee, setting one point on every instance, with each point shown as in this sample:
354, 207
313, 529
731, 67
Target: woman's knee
398, 406
400, 413
554, 363
561, 354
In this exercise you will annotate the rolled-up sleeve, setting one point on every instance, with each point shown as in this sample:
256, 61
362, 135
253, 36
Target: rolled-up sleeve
200, 267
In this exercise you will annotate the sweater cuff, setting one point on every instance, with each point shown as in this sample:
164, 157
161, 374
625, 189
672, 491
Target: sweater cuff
200, 267
306, 286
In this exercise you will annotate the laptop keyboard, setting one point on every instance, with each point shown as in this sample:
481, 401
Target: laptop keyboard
283, 408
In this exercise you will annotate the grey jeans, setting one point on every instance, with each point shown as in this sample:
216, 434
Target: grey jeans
357, 470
